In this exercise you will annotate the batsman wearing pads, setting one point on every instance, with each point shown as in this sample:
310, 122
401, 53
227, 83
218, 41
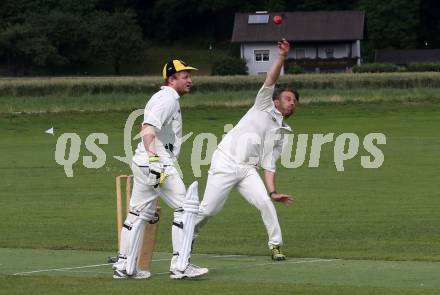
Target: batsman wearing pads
256, 141
154, 175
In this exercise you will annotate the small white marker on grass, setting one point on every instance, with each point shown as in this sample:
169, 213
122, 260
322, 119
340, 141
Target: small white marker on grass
50, 131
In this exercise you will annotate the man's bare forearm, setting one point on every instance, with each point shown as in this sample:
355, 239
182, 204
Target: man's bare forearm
148, 136
274, 72
269, 179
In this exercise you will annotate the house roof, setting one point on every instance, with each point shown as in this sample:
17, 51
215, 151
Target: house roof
302, 26
407, 56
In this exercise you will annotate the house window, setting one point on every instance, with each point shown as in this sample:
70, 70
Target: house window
258, 19
329, 53
261, 55
300, 53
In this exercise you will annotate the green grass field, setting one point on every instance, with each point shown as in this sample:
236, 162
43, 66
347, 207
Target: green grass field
371, 231
72, 272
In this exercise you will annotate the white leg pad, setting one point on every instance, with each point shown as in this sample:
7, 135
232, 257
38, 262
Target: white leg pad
134, 236
176, 230
177, 236
121, 264
190, 211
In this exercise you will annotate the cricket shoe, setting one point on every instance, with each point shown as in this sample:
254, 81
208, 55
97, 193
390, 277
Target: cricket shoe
191, 271
139, 275
276, 254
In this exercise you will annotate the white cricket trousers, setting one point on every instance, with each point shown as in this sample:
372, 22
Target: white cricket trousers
223, 175
172, 191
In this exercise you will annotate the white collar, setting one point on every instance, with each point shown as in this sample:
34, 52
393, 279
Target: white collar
280, 119
287, 127
172, 91
278, 116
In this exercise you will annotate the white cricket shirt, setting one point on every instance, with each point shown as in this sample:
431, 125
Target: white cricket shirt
163, 112
258, 137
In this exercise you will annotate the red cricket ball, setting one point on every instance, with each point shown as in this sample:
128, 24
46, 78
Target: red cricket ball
277, 19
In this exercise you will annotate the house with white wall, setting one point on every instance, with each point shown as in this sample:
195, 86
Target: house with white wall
321, 41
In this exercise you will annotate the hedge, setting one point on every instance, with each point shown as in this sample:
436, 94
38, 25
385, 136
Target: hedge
229, 66
106, 85
375, 68
424, 67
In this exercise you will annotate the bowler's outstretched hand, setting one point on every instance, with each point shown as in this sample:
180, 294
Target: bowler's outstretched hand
283, 47
282, 198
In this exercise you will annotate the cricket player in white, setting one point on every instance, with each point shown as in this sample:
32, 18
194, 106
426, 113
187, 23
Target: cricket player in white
154, 175
256, 140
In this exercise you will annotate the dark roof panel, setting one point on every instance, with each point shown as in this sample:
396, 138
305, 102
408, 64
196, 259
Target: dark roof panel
302, 26
407, 56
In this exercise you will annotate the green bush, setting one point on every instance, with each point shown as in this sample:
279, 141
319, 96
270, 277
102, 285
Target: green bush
294, 69
375, 68
424, 67
229, 66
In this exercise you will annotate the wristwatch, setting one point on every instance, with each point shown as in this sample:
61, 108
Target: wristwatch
270, 194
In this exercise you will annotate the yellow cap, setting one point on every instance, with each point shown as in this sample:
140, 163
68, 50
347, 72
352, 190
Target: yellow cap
174, 66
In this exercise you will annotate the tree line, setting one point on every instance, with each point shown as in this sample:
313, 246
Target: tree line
68, 33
